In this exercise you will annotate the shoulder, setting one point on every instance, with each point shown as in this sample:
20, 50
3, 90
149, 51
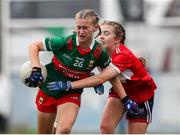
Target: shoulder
121, 51
122, 54
72, 38
97, 49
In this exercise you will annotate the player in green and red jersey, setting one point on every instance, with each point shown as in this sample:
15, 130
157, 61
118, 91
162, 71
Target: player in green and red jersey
74, 58
71, 62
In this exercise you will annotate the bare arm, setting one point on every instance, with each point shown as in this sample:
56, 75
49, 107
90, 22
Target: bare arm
107, 74
34, 50
35, 78
117, 87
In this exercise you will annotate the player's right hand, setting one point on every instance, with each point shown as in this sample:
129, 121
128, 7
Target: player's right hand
35, 79
131, 106
59, 86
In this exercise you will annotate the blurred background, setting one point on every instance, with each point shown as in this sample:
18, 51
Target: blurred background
153, 31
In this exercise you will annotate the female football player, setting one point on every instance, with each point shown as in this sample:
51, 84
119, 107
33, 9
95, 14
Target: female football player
74, 58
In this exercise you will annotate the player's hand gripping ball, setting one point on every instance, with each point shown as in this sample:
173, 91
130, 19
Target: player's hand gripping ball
32, 78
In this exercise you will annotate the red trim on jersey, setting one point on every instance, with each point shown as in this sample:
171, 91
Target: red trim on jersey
97, 52
83, 51
70, 44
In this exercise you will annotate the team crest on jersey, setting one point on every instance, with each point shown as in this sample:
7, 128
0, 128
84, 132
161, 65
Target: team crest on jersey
41, 100
91, 63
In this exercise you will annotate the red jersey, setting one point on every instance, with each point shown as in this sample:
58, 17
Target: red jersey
137, 82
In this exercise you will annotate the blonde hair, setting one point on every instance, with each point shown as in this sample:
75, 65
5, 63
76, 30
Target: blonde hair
89, 14
119, 30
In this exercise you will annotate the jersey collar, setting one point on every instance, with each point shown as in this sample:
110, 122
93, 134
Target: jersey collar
92, 43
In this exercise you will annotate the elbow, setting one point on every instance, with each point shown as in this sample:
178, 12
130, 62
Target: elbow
34, 47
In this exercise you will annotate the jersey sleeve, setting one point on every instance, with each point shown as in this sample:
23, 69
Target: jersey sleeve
104, 59
55, 43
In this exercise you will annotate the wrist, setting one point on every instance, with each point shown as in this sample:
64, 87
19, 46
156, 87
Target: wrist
125, 99
69, 85
38, 69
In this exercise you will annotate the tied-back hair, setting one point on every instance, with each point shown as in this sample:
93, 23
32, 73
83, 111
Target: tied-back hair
89, 14
118, 29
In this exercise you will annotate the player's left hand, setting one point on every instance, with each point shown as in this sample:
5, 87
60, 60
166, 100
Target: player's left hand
99, 89
131, 106
59, 86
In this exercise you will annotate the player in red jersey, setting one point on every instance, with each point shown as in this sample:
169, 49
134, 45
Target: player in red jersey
137, 82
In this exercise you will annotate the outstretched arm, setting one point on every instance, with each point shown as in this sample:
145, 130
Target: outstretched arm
117, 87
107, 74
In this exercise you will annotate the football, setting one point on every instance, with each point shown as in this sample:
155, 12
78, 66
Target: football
25, 71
